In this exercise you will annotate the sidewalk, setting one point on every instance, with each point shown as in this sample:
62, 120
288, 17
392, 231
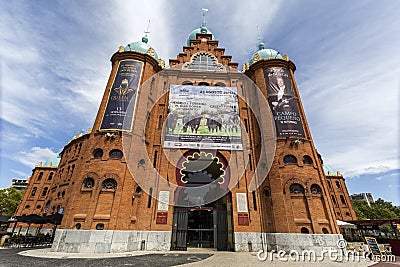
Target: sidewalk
217, 258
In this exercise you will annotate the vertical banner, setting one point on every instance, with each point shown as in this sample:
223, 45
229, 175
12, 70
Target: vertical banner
283, 102
203, 117
123, 90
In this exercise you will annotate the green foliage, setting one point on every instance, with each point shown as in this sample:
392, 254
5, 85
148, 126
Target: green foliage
9, 201
380, 209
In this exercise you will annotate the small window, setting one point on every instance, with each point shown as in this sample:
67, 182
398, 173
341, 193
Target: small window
50, 176
325, 231
159, 122
220, 84
88, 183
337, 184
27, 206
290, 159
100, 226
116, 154
58, 194
342, 200
334, 200
187, 83
98, 153
78, 226
316, 189
138, 190
38, 207
44, 192
40, 176
63, 194
307, 160
34, 191
348, 214
304, 230
47, 207
296, 189
109, 184
330, 185
204, 84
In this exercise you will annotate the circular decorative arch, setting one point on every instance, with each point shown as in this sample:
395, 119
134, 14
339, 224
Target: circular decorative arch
292, 181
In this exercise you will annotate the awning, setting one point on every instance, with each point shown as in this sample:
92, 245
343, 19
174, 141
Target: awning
346, 225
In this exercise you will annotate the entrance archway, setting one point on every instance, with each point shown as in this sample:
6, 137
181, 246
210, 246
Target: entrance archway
197, 221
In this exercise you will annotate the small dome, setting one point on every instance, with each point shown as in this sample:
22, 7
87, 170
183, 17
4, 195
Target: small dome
141, 47
264, 53
329, 171
203, 30
53, 161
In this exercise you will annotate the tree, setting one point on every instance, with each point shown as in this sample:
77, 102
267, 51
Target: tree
380, 209
9, 201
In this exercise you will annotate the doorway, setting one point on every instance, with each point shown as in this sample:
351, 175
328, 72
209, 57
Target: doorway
200, 230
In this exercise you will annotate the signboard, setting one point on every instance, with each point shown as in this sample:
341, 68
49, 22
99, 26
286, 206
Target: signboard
203, 117
119, 114
243, 219
283, 102
373, 246
163, 200
162, 218
241, 201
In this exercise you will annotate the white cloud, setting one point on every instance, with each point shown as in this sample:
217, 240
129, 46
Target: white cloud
34, 156
20, 173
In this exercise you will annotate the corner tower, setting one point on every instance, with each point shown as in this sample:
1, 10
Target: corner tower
295, 195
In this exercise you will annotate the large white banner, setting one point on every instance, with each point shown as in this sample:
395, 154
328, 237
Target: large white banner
204, 117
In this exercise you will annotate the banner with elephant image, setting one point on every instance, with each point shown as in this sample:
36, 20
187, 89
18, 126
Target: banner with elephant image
203, 117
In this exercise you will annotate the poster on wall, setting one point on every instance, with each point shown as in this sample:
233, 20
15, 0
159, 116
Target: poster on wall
123, 90
203, 117
283, 102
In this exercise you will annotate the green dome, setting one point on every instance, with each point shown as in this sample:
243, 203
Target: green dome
141, 47
265, 53
328, 170
53, 161
204, 30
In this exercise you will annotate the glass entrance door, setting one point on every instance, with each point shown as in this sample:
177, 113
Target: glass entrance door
200, 231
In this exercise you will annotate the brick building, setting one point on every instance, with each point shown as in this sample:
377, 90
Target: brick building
139, 173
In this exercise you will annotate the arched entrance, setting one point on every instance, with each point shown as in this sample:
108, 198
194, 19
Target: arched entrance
203, 212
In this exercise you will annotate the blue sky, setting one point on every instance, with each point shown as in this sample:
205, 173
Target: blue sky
54, 65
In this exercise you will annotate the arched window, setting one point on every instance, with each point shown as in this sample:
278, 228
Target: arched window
220, 84
187, 83
337, 184
204, 61
100, 226
38, 207
59, 194
44, 192
63, 194
78, 226
50, 176
316, 189
304, 230
109, 184
72, 169
290, 159
325, 231
98, 153
116, 154
296, 189
40, 176
342, 200
88, 183
47, 207
330, 185
33, 191
307, 160
138, 190
27, 206
204, 84
348, 214
334, 200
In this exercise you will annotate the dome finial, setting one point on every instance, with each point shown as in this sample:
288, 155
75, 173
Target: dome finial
144, 38
261, 45
203, 28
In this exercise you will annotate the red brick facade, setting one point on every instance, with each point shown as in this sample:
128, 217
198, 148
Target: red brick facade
78, 186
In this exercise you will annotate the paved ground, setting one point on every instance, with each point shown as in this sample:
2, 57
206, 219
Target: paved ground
194, 257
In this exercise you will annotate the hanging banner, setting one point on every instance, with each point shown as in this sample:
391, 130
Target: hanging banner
203, 117
117, 115
283, 102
